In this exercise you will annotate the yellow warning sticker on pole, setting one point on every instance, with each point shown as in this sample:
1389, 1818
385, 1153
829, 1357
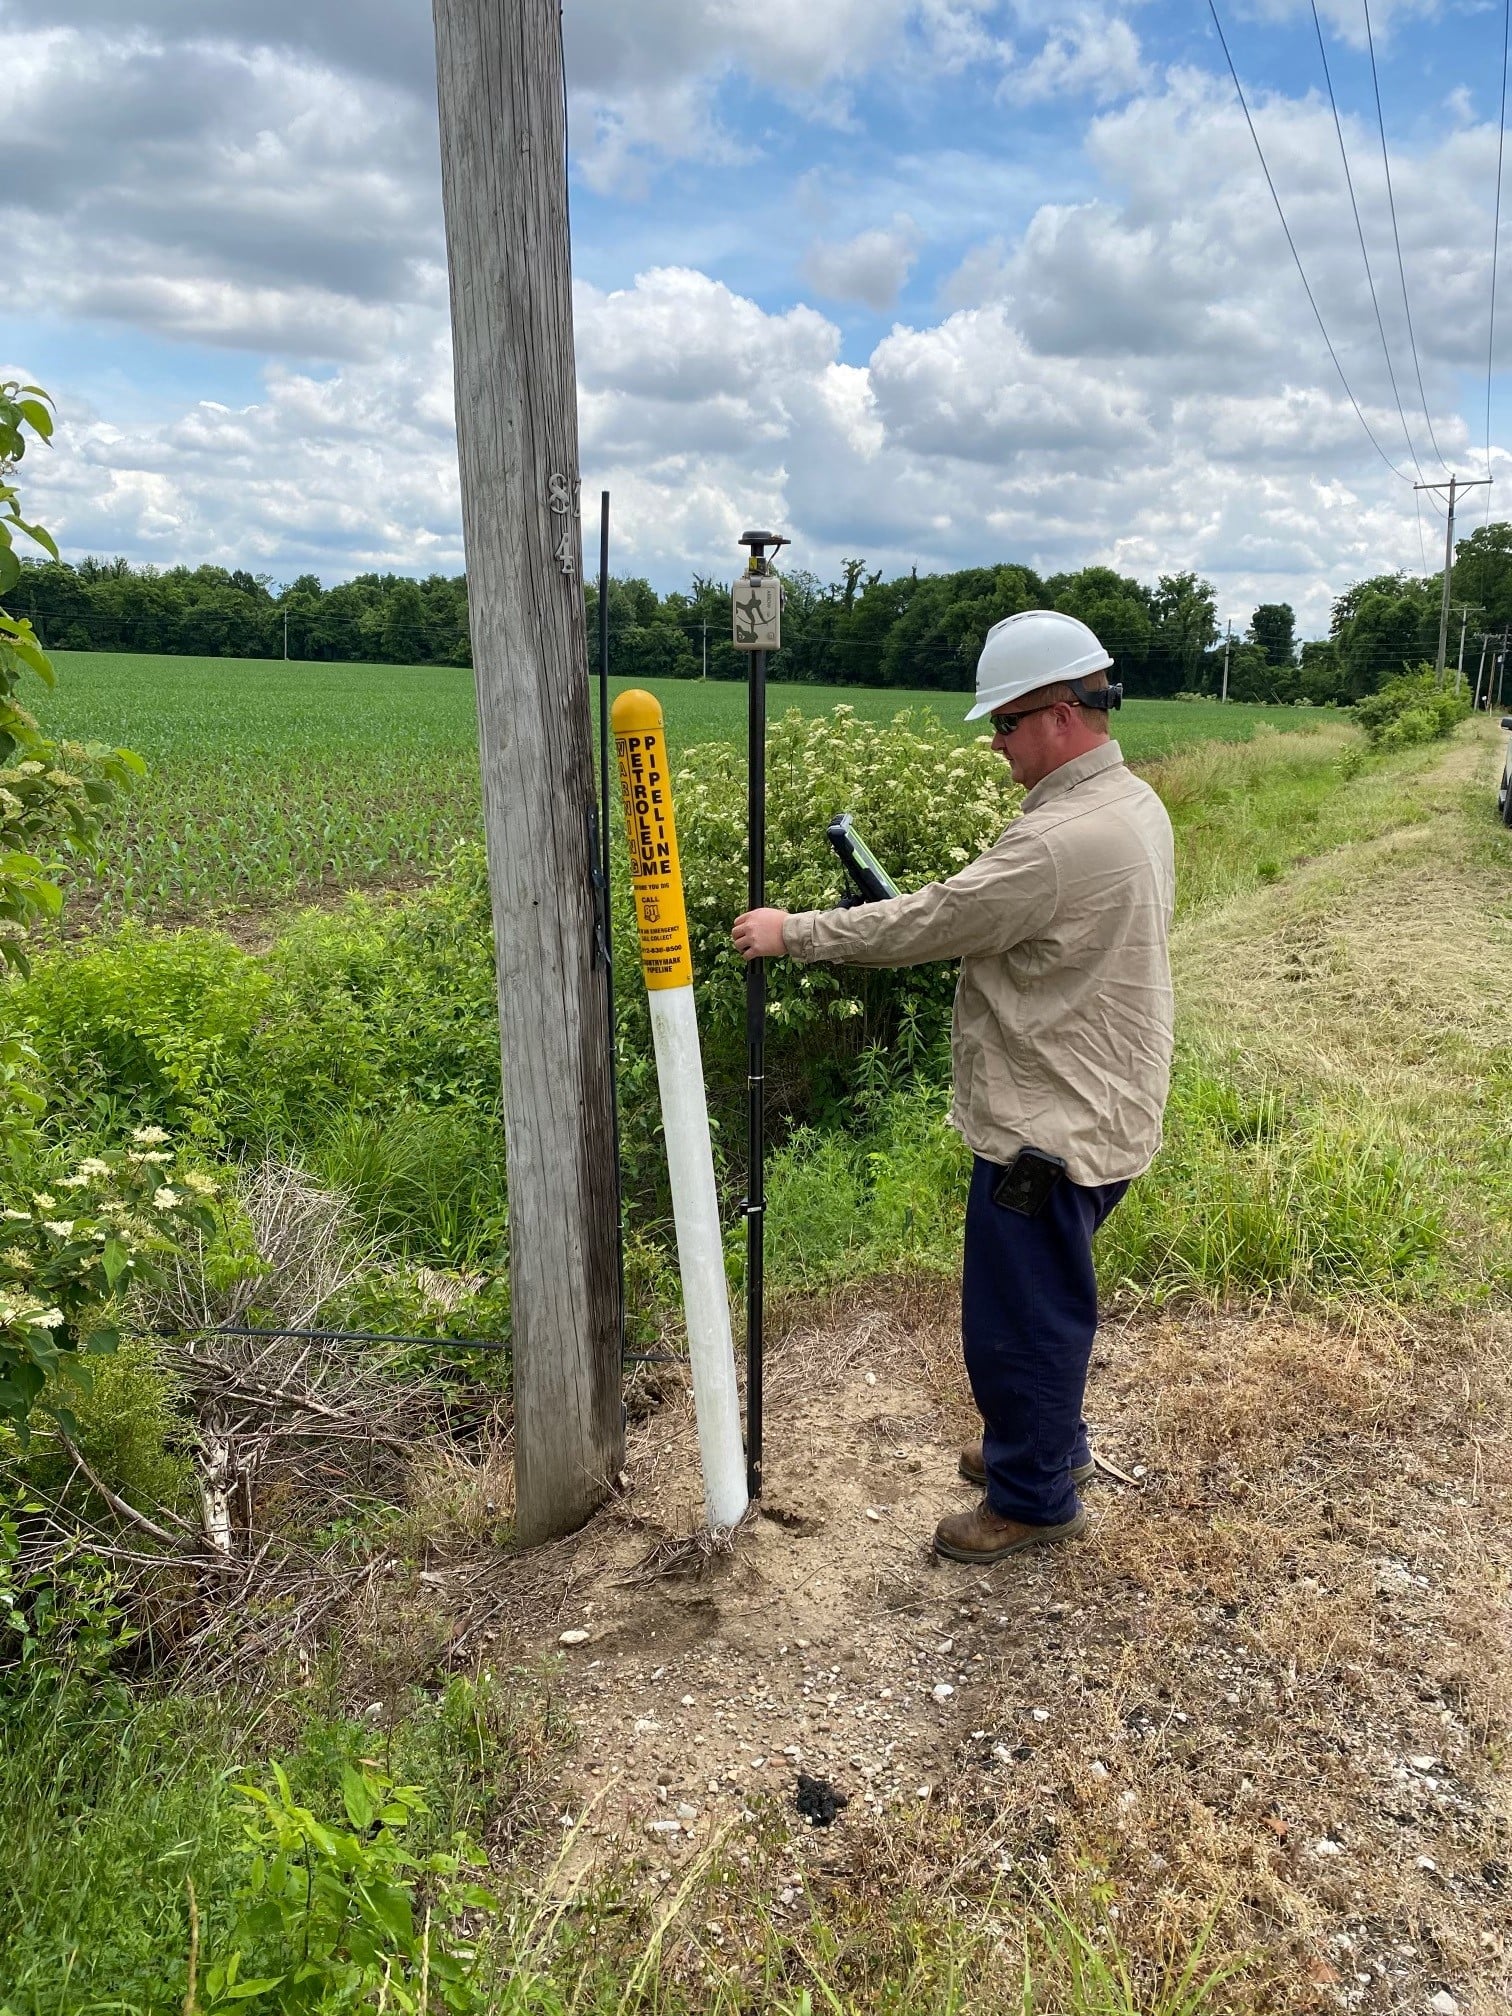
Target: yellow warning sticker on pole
655, 871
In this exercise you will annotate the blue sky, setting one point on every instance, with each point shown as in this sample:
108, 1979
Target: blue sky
933, 281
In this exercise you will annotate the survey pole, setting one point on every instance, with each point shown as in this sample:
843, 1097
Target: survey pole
755, 1074
756, 629
640, 740
500, 86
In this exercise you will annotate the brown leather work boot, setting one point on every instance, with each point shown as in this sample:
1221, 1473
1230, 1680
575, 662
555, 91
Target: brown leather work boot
980, 1536
974, 1469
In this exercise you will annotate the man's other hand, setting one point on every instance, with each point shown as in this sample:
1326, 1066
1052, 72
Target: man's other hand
758, 934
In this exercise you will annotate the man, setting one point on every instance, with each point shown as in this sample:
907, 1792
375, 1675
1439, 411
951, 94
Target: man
1061, 1055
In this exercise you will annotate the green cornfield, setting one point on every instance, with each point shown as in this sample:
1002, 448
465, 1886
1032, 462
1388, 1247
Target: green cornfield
270, 781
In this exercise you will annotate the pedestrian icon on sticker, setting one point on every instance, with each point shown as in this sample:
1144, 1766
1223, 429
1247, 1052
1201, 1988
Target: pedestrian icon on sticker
757, 606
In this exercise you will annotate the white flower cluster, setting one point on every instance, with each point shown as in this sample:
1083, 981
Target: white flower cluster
925, 804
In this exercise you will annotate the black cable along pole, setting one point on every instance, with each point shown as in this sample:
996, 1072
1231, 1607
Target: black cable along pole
754, 620
606, 900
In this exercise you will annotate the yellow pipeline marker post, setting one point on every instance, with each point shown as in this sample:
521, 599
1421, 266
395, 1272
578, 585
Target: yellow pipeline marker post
661, 915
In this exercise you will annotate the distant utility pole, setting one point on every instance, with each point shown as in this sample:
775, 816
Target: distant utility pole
1453, 486
1486, 675
1227, 642
504, 192
705, 672
286, 634
1467, 610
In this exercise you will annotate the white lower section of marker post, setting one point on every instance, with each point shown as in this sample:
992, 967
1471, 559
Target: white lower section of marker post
700, 1252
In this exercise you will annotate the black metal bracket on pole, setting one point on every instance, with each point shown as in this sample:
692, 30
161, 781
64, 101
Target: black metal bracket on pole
755, 1203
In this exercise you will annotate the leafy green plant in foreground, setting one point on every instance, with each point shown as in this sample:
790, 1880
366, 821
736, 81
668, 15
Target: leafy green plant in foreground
51, 794
62, 1262
337, 1910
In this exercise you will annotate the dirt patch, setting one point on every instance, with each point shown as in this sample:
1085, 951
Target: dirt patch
1273, 1684
254, 927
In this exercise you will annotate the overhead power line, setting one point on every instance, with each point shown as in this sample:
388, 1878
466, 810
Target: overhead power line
1397, 237
1365, 256
1296, 255
1501, 137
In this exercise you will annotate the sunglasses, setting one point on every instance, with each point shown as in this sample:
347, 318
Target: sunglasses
1004, 724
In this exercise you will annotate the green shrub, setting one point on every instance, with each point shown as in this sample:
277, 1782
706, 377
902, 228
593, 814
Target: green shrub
148, 1025
926, 805
1409, 709
53, 795
333, 1910
128, 1425
842, 1206
63, 1612
384, 1005
74, 1249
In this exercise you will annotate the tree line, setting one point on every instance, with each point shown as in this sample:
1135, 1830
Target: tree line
215, 612
913, 631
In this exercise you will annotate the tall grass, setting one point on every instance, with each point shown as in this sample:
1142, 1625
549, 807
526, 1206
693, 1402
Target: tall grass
114, 1802
1249, 815
1255, 1193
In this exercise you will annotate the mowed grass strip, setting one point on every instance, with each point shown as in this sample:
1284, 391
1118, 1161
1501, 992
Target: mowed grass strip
270, 781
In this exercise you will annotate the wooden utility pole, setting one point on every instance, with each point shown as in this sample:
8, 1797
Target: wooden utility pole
1453, 486
504, 188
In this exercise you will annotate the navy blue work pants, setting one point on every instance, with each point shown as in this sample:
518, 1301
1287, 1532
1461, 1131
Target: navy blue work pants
1028, 1317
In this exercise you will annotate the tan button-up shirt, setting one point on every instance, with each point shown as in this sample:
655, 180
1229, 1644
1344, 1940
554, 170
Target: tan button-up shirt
1063, 1010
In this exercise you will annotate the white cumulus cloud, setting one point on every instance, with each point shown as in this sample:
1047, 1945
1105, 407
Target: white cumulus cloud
1093, 55
871, 268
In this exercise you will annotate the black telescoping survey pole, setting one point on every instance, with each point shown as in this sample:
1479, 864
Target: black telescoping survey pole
755, 1069
757, 626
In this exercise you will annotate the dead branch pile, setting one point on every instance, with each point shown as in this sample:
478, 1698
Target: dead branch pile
296, 1442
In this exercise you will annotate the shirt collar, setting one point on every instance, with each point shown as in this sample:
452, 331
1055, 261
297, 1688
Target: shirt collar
1089, 764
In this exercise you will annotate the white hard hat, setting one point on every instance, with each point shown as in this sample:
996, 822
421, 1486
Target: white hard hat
1036, 648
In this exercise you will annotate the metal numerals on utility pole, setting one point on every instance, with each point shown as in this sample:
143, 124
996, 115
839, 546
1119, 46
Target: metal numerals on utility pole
504, 187
1454, 486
